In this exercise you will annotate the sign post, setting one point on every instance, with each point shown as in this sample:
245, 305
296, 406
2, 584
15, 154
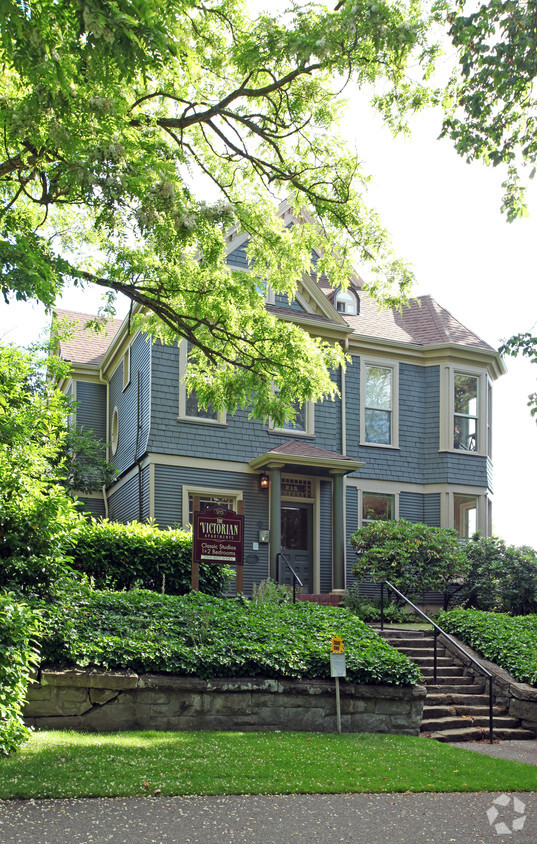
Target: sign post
218, 537
337, 670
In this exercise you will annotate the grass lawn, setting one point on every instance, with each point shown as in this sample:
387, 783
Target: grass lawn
68, 764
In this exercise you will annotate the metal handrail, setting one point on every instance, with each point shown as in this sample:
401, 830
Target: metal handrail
438, 631
296, 578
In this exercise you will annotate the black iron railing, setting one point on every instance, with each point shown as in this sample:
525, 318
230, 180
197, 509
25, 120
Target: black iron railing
439, 632
296, 579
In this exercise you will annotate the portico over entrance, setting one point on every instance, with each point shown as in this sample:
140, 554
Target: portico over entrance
297, 473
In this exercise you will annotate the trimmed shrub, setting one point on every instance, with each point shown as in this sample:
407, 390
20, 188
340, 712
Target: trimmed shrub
500, 577
124, 556
215, 637
413, 556
18, 654
509, 642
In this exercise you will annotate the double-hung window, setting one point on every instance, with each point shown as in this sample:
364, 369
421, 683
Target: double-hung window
303, 424
466, 412
377, 507
189, 406
379, 404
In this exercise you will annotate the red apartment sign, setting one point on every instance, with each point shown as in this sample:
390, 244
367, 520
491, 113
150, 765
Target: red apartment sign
219, 536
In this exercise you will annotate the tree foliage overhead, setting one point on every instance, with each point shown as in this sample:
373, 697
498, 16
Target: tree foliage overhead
114, 113
135, 133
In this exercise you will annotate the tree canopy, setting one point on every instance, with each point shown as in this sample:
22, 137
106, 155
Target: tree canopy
137, 133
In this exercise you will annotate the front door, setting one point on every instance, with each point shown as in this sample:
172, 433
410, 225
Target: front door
297, 543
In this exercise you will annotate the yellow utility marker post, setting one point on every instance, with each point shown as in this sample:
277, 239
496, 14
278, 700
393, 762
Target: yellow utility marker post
337, 670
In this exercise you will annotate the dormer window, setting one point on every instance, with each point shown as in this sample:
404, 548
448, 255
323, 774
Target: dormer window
346, 302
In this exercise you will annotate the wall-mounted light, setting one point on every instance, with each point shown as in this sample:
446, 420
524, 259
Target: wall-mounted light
264, 482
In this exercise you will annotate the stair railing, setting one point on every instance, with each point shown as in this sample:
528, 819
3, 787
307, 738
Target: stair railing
281, 556
439, 632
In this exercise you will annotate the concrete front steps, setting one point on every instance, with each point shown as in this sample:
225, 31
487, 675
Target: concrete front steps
457, 707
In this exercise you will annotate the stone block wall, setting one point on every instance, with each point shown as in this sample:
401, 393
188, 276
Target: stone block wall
104, 701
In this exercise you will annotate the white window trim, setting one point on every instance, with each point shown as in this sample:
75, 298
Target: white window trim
126, 368
217, 492
310, 424
200, 420
447, 508
447, 409
346, 297
377, 488
386, 364
114, 434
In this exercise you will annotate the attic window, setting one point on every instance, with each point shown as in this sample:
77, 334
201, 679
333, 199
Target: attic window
346, 302
115, 431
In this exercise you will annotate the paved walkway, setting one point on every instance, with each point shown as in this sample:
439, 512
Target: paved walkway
516, 751
297, 819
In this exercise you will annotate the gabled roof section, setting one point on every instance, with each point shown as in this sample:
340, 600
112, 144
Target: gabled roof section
300, 453
86, 346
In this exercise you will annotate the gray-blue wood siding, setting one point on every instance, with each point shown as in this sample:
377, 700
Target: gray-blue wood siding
351, 519
124, 503
132, 443
91, 408
95, 506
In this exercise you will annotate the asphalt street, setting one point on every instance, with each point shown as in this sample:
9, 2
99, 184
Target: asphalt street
368, 818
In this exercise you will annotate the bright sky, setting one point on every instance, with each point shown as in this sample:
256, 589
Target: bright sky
445, 220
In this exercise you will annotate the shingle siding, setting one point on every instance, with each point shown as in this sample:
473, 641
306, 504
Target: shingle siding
91, 408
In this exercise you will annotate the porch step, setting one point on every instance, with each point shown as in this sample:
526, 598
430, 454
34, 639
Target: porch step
457, 705
326, 600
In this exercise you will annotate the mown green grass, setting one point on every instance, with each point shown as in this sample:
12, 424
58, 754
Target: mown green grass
68, 764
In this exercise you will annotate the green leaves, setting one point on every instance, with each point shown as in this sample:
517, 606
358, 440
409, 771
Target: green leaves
19, 626
214, 637
509, 642
414, 557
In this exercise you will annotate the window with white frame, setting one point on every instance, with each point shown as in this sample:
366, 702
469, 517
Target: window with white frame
208, 498
346, 302
379, 404
465, 410
189, 406
377, 507
303, 422
465, 514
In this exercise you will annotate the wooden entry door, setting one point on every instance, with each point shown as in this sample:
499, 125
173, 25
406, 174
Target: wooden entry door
297, 543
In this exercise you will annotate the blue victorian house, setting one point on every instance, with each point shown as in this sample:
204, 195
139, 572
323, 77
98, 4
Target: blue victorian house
410, 437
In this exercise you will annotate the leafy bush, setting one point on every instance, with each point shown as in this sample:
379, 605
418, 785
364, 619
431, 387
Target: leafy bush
215, 637
413, 556
36, 513
270, 592
123, 556
509, 642
18, 654
500, 577
369, 610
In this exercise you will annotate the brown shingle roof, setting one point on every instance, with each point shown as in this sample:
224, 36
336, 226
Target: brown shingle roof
423, 322
300, 448
86, 346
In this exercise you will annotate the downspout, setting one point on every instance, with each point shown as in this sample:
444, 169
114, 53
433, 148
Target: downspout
105, 382
345, 345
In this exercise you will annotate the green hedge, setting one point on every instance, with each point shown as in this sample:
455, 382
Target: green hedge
510, 642
215, 637
18, 654
123, 556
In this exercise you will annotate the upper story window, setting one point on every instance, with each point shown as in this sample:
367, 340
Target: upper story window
189, 406
346, 302
303, 423
466, 416
114, 433
465, 410
379, 404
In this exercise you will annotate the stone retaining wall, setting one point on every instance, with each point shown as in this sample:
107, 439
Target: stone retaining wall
123, 700
519, 699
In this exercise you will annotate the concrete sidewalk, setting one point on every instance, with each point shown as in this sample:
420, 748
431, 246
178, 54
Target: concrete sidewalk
516, 751
321, 819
